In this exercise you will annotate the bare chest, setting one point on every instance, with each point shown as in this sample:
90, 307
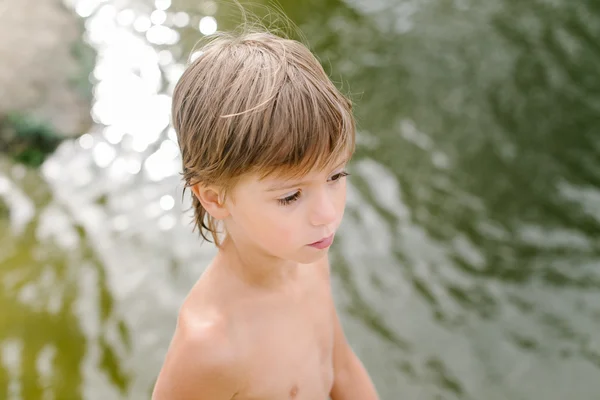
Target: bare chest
291, 351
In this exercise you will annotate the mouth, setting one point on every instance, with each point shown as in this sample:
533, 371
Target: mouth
323, 243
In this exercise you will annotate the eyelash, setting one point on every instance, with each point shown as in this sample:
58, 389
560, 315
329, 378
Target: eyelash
290, 199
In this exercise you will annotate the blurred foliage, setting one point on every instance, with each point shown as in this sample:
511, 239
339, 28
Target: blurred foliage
26, 139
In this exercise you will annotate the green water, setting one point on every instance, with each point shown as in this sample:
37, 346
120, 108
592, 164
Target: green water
468, 264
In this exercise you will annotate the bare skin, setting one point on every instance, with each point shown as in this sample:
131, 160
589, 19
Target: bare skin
263, 326
287, 343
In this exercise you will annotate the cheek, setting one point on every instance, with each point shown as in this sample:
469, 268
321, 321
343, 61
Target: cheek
340, 200
282, 228
272, 225
343, 194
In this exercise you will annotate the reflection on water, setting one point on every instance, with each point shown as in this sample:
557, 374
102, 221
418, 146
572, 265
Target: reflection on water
468, 263
56, 307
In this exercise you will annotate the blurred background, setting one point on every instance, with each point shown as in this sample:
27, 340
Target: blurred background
468, 264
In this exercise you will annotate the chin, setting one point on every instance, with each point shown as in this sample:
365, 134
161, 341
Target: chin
311, 258
304, 255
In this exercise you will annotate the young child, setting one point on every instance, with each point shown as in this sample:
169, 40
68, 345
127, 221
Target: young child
265, 137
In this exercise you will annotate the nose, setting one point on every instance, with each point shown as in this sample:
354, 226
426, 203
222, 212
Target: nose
322, 208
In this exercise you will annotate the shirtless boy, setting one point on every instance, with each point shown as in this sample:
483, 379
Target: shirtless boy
265, 137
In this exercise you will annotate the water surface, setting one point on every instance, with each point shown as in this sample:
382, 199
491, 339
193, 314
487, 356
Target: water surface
468, 264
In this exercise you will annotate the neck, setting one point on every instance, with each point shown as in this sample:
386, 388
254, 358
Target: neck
253, 266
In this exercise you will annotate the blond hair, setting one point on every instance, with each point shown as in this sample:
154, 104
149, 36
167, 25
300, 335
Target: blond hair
257, 103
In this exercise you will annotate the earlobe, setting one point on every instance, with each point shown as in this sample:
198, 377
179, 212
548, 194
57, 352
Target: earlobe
211, 201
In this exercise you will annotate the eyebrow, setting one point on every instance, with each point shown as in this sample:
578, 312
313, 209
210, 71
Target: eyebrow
289, 185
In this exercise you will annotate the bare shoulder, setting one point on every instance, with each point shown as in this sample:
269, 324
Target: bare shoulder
202, 361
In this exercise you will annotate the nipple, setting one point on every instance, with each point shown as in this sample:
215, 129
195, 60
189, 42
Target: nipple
294, 392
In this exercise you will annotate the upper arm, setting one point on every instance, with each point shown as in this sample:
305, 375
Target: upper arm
341, 349
342, 352
200, 364
351, 380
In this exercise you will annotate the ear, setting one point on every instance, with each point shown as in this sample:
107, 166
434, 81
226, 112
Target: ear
211, 200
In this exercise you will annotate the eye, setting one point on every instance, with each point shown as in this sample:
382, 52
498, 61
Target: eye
338, 176
289, 199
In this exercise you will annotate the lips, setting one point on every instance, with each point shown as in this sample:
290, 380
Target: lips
323, 243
